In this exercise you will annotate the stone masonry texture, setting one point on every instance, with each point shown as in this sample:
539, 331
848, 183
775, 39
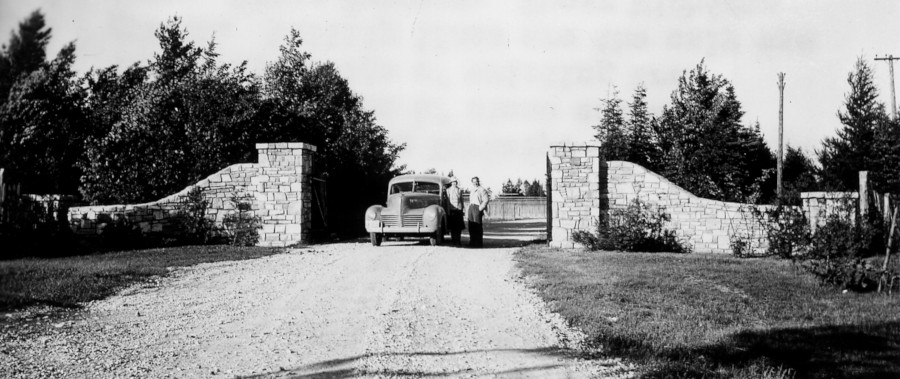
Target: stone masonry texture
706, 226
584, 187
279, 186
575, 182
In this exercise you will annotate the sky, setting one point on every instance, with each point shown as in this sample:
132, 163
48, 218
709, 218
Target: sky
484, 88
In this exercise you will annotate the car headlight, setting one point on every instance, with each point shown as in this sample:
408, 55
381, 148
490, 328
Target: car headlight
430, 215
373, 213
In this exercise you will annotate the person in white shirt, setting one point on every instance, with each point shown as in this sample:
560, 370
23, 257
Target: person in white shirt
478, 202
455, 212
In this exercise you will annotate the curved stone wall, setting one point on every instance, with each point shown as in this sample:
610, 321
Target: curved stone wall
279, 185
708, 226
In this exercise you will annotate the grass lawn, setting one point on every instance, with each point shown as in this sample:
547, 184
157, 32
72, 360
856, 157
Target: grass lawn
714, 316
65, 282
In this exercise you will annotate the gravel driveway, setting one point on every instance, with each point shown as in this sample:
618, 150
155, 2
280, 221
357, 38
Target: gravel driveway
404, 309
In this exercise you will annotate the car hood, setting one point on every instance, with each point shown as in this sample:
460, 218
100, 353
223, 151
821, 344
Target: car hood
410, 202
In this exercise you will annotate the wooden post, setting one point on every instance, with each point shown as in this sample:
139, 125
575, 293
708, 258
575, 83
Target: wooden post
890, 60
863, 196
2, 196
780, 161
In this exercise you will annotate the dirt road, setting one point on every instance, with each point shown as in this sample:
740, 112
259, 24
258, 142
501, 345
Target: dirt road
404, 309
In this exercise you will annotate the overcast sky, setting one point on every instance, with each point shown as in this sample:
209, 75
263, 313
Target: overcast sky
485, 87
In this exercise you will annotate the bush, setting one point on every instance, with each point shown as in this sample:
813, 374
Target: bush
122, 233
787, 229
638, 227
838, 251
194, 226
242, 226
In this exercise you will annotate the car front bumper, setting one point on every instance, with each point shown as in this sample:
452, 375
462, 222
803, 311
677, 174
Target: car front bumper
376, 226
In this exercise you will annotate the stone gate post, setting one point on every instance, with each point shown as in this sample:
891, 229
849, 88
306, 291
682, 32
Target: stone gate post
283, 192
576, 172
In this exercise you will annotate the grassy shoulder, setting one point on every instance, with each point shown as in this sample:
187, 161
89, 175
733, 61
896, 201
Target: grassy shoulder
68, 281
717, 316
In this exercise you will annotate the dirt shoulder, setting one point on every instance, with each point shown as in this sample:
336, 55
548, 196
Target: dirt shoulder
341, 310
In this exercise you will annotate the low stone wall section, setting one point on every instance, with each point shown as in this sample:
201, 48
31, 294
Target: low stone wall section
819, 206
707, 226
278, 185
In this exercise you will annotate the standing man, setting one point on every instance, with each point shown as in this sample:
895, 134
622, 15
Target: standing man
478, 202
455, 212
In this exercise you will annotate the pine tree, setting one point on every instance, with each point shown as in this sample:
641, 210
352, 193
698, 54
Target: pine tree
611, 131
642, 148
854, 147
703, 146
26, 52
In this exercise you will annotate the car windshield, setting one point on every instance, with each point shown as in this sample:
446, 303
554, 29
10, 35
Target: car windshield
420, 187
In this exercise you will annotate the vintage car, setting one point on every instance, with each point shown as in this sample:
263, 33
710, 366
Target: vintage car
416, 207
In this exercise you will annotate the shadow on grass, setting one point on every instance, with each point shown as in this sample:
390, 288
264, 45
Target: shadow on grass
838, 351
353, 367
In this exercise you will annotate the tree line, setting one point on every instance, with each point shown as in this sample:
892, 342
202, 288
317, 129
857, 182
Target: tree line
138, 133
523, 188
700, 142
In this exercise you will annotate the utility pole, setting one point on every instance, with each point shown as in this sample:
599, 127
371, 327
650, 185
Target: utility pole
780, 132
890, 60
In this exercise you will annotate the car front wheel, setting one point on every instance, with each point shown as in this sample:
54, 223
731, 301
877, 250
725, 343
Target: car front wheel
437, 238
375, 238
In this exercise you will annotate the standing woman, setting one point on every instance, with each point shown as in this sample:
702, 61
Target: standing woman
455, 212
478, 202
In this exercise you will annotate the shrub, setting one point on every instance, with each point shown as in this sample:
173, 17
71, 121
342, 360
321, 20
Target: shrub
787, 229
242, 226
638, 227
836, 254
195, 227
122, 233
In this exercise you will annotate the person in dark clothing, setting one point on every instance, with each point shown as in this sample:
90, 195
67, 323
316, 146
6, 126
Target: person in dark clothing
455, 212
478, 202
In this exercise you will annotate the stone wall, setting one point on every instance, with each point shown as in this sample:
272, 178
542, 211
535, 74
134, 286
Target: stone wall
707, 226
278, 186
575, 186
818, 206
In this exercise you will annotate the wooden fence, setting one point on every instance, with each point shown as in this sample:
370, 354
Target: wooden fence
515, 207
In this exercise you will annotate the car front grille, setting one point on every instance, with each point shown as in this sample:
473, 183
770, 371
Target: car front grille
406, 220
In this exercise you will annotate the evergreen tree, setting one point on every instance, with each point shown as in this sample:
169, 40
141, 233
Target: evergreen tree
611, 131
642, 148
536, 188
854, 148
887, 146
703, 146
25, 53
311, 102
42, 122
799, 175
168, 125
42, 127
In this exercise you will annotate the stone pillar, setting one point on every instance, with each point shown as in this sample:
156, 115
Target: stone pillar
282, 189
575, 174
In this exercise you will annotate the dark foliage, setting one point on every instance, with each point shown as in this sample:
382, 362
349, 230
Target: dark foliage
241, 225
703, 145
194, 226
42, 121
868, 140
